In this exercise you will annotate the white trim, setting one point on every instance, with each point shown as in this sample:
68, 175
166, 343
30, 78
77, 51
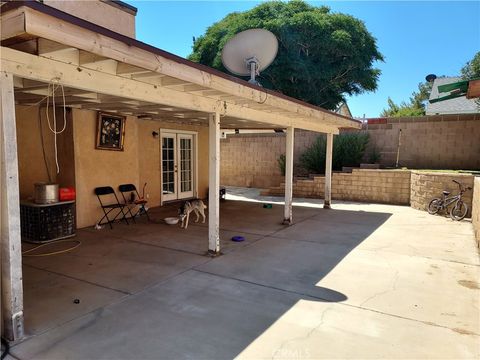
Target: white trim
214, 184
290, 138
177, 132
328, 172
191, 193
195, 165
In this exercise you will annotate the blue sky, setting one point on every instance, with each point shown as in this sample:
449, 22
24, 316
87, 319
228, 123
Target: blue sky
416, 38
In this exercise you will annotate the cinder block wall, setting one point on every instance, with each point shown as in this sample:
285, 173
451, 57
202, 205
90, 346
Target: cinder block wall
427, 185
476, 209
251, 160
380, 186
428, 142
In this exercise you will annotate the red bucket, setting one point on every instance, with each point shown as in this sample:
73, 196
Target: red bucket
67, 194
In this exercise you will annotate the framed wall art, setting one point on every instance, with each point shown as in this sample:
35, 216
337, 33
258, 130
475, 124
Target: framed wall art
110, 132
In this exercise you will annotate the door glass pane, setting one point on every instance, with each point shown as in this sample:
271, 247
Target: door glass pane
168, 166
185, 165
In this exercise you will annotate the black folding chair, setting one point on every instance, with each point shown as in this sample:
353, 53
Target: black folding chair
106, 191
133, 199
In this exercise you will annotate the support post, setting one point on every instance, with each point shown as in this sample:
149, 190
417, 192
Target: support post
328, 172
11, 256
287, 218
214, 184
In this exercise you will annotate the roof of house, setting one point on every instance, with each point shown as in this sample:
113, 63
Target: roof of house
459, 105
343, 109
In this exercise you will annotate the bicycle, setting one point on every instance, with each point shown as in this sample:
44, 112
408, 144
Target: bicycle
457, 212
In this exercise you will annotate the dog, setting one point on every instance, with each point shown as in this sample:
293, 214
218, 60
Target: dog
188, 206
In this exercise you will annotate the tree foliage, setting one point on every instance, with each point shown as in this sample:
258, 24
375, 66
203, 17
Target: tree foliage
471, 70
414, 107
348, 150
322, 56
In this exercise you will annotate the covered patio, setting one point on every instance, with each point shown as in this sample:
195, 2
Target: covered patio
379, 279
96, 70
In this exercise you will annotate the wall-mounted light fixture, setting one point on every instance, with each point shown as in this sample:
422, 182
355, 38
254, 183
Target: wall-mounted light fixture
155, 134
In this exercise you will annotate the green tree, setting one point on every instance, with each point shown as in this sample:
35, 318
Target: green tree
471, 70
414, 107
322, 55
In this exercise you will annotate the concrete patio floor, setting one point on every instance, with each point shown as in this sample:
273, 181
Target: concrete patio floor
357, 281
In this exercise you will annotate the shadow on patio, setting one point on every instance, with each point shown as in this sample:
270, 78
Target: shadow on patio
147, 291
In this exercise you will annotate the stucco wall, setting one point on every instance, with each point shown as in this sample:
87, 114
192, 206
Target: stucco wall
476, 210
99, 13
427, 185
149, 157
94, 168
84, 167
137, 164
381, 186
31, 164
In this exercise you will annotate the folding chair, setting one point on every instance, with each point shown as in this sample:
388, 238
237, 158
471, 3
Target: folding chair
108, 208
134, 199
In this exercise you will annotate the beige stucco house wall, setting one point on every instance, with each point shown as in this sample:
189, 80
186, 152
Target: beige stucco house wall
84, 167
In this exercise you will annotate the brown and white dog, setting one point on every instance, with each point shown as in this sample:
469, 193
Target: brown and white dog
196, 206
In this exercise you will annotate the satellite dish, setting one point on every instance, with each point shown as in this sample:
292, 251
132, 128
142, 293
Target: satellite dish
250, 52
430, 77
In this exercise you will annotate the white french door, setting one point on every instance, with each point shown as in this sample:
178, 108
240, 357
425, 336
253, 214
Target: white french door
178, 165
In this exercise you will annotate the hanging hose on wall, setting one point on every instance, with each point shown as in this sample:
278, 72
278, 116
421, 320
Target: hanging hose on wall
53, 86
43, 145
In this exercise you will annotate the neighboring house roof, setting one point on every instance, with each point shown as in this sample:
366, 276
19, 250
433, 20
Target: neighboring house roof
460, 105
343, 109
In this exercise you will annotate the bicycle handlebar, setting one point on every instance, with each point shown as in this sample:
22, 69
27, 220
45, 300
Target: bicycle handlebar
461, 187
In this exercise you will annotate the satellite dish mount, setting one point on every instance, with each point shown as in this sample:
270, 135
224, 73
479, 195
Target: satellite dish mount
250, 52
253, 64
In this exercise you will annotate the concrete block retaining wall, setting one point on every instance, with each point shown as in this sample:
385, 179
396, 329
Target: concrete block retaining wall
476, 209
382, 186
400, 187
427, 185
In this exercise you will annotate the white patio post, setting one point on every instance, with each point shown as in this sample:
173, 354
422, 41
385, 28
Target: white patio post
287, 218
11, 256
214, 184
328, 172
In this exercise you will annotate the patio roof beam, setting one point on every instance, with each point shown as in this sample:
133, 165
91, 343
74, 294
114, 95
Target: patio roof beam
59, 29
41, 69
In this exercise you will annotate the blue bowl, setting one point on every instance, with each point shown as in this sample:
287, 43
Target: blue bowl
238, 238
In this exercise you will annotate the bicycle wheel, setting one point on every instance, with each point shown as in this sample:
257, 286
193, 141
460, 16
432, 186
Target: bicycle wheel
434, 206
459, 211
